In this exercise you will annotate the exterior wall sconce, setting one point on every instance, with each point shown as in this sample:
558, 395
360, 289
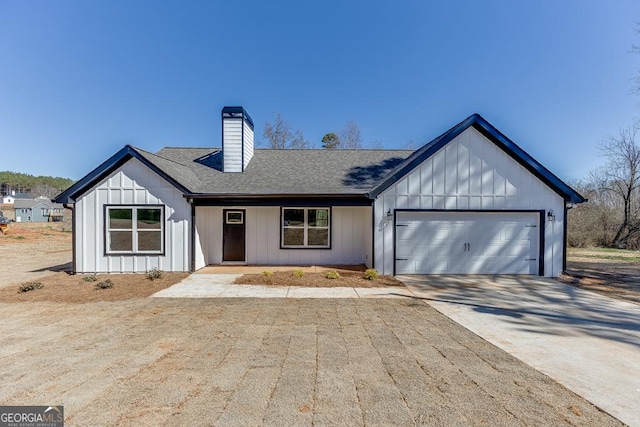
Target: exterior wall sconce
389, 215
551, 217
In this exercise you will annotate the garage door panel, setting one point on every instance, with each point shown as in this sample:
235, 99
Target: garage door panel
467, 243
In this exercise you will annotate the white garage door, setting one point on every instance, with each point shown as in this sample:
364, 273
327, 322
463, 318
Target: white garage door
467, 242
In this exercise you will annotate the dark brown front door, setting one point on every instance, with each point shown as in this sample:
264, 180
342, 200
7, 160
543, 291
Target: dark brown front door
233, 235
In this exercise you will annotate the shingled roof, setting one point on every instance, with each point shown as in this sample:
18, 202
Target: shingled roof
284, 172
197, 172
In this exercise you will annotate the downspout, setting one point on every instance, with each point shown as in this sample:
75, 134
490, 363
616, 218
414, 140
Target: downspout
192, 256
73, 236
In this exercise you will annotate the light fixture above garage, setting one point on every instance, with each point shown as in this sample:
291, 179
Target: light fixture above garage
551, 217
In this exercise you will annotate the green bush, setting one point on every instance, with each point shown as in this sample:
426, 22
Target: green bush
298, 273
267, 273
107, 284
30, 286
154, 274
370, 274
332, 274
90, 278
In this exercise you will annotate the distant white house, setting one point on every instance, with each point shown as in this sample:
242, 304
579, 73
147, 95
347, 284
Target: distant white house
8, 200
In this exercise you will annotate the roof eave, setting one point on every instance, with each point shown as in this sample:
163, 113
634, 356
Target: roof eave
108, 166
490, 132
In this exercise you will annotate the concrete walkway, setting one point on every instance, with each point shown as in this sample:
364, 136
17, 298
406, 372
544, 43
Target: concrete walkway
202, 285
587, 342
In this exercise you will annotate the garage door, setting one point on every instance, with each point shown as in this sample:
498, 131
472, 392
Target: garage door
467, 242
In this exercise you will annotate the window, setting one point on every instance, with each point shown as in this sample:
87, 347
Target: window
305, 228
134, 229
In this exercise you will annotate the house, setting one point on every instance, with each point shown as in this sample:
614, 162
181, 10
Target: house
37, 210
8, 199
469, 201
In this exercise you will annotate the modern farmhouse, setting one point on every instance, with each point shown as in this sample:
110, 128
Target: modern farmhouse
469, 202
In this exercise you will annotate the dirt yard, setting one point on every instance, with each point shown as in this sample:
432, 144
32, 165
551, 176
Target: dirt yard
318, 280
29, 251
274, 362
611, 272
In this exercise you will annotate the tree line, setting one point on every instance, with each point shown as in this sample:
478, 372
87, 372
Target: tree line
279, 135
611, 217
47, 186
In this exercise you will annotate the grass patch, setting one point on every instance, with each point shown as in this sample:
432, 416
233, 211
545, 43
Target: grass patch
106, 284
298, 273
154, 274
370, 274
30, 286
90, 278
332, 274
610, 257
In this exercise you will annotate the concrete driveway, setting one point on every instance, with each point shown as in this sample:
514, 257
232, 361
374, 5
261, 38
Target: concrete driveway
587, 342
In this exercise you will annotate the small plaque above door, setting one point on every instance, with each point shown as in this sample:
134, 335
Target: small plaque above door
235, 217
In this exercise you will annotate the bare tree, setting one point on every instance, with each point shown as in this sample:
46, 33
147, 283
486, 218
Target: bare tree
410, 145
376, 145
299, 141
350, 136
636, 49
620, 178
279, 136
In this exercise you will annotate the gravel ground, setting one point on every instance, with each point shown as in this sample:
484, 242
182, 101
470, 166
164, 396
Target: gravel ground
270, 362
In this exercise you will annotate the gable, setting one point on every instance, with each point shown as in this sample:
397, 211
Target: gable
471, 172
128, 152
493, 136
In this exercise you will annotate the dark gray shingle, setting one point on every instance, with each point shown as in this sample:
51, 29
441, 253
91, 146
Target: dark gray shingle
280, 171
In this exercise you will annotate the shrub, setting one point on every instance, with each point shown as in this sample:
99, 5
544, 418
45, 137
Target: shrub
370, 274
30, 286
154, 274
107, 284
267, 273
90, 278
298, 273
332, 274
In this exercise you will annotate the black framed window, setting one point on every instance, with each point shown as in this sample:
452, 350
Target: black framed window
134, 229
306, 227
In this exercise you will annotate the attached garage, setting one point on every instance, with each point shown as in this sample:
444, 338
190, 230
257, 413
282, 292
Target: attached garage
462, 242
471, 202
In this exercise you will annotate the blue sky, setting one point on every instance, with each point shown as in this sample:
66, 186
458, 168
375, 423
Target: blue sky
78, 79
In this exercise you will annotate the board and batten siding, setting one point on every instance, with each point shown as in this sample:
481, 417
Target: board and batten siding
350, 238
232, 148
132, 183
247, 144
469, 173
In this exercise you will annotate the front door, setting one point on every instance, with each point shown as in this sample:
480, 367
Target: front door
233, 235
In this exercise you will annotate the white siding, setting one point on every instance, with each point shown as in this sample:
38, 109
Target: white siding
133, 183
247, 144
469, 173
232, 144
350, 230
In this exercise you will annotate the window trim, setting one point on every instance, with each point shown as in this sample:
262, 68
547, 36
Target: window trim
134, 230
306, 246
